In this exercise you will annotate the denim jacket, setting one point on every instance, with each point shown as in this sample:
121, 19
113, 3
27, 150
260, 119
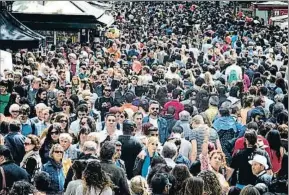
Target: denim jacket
162, 126
55, 171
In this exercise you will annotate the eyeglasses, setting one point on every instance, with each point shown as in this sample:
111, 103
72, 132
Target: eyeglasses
108, 90
63, 121
54, 132
23, 113
58, 152
155, 108
62, 95
154, 134
27, 144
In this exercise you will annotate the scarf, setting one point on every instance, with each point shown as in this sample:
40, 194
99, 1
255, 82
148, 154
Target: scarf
27, 156
146, 163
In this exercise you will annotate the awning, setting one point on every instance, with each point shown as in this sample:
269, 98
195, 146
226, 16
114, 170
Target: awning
15, 35
271, 5
279, 18
79, 9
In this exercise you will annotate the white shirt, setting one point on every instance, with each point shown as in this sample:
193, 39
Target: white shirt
268, 102
236, 68
74, 127
103, 135
154, 122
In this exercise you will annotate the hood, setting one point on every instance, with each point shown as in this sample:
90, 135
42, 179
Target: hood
168, 116
225, 123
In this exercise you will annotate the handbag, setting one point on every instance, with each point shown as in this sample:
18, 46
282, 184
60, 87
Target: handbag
4, 189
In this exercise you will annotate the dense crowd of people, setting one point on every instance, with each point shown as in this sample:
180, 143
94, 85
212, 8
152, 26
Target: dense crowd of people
190, 99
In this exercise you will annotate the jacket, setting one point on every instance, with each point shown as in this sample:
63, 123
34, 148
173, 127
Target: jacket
13, 173
15, 142
117, 176
119, 97
265, 178
177, 105
171, 121
162, 126
131, 147
57, 177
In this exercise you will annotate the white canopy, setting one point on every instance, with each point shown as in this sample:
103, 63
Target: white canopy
272, 3
64, 7
279, 18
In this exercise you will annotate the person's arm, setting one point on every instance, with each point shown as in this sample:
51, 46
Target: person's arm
30, 166
219, 146
124, 189
204, 155
194, 150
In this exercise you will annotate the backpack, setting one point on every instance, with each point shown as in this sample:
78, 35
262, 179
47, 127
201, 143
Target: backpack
233, 76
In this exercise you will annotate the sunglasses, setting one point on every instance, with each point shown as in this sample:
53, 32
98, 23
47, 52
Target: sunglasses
155, 108
108, 90
63, 121
58, 152
123, 83
54, 132
15, 111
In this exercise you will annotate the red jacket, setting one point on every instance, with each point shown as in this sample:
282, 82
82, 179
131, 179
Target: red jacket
239, 145
179, 107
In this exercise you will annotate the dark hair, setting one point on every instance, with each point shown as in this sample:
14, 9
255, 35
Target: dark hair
81, 108
5, 151
159, 182
274, 140
94, 176
90, 122
181, 173
263, 91
252, 125
70, 103
37, 98
12, 100
57, 127
23, 188
78, 167
212, 184
194, 186
251, 137
176, 93
42, 181
58, 119
158, 168
146, 127
83, 130
35, 140
171, 110
129, 97
234, 92
14, 126
234, 191
157, 160
107, 150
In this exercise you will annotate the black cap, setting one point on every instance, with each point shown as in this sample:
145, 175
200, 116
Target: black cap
128, 126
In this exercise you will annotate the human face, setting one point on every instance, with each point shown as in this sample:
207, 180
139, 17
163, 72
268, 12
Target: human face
54, 135
46, 116
138, 119
2, 89
57, 154
15, 113
121, 117
117, 152
43, 95
60, 96
216, 161
63, 121
28, 146
36, 84
17, 100
107, 91
66, 107
152, 147
134, 81
154, 134
257, 168
81, 114
83, 137
111, 121
83, 122
65, 143
23, 116
123, 85
154, 109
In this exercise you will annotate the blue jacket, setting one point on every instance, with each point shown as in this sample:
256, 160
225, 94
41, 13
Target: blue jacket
162, 126
56, 176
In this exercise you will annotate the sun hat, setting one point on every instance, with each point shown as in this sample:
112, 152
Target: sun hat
260, 159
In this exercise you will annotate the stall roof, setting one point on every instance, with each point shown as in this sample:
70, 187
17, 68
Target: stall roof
279, 18
15, 35
271, 5
64, 8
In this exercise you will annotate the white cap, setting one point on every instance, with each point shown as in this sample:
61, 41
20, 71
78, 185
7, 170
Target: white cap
260, 159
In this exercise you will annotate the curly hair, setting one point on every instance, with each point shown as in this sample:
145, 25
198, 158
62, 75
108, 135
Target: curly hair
159, 168
283, 129
35, 141
193, 186
138, 185
22, 187
94, 176
212, 185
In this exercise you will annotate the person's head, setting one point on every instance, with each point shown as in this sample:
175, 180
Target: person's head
138, 185
177, 94
214, 101
249, 190
68, 106
107, 150
160, 183
250, 138
14, 98
212, 184
14, 110
153, 132
90, 147
24, 112
123, 84
23, 188
46, 112
170, 150
3, 86
63, 120
181, 173
129, 97
217, 159
262, 188
171, 110
42, 181
107, 91
53, 133
283, 130
248, 101
81, 111
194, 186
78, 167
94, 176
154, 108
110, 121
15, 126
137, 118
259, 164
56, 152
129, 127
89, 122
5, 154
65, 140
117, 153
41, 95
152, 144
197, 121
121, 116
36, 83
184, 116
32, 142
83, 133
234, 191
39, 108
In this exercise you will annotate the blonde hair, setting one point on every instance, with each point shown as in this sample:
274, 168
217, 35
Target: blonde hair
218, 152
53, 149
208, 78
153, 140
138, 185
66, 136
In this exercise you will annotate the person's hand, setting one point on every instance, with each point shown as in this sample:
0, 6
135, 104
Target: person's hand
142, 154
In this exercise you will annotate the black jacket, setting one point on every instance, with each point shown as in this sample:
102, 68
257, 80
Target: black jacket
15, 142
131, 147
103, 109
69, 175
264, 178
117, 176
171, 121
13, 173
